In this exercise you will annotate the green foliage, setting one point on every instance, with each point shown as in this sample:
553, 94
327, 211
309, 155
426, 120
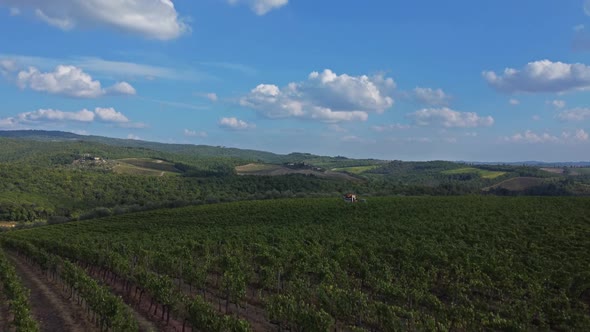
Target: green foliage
113, 312
472, 170
52, 175
419, 263
18, 297
203, 317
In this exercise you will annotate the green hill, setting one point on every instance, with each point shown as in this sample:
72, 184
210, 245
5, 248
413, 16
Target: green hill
47, 175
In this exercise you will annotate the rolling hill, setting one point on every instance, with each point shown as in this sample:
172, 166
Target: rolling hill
48, 175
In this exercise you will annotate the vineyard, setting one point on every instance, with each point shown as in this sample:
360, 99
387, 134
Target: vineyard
405, 263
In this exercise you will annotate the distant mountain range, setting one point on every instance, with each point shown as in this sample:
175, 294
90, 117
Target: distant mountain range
220, 151
535, 163
201, 150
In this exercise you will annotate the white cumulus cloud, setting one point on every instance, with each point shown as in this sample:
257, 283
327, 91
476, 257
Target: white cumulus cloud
69, 81
390, 127
261, 7
121, 88
431, 97
581, 135
155, 19
557, 103
194, 133
110, 115
8, 123
575, 114
541, 76
449, 118
212, 96
51, 115
235, 124
576, 136
324, 96
45, 116
356, 139
7, 66
514, 102
531, 137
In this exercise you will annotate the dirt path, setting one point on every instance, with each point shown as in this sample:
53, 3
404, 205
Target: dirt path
5, 316
50, 307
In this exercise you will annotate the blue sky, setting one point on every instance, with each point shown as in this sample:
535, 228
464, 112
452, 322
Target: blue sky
413, 80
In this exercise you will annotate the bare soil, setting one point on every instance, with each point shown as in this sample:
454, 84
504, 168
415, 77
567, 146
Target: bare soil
278, 170
49, 304
148, 321
518, 184
556, 170
251, 309
553, 170
5, 316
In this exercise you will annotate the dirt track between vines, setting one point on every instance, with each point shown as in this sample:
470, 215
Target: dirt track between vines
49, 305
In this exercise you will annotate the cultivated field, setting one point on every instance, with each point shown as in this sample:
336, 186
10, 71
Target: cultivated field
356, 169
485, 174
583, 171
519, 183
145, 166
423, 263
278, 170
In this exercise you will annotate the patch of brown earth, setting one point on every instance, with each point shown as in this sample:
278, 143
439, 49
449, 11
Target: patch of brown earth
49, 305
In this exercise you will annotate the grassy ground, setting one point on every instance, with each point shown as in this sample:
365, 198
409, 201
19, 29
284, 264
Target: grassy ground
482, 172
583, 171
145, 166
519, 183
355, 169
250, 168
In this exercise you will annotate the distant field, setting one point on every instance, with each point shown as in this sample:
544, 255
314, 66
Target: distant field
253, 168
145, 166
356, 169
277, 170
482, 172
583, 171
554, 170
571, 171
519, 183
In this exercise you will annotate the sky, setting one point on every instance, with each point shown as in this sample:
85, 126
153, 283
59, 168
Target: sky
467, 80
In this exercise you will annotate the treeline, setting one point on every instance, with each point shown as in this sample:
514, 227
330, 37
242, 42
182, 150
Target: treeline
40, 181
61, 153
58, 194
29, 193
